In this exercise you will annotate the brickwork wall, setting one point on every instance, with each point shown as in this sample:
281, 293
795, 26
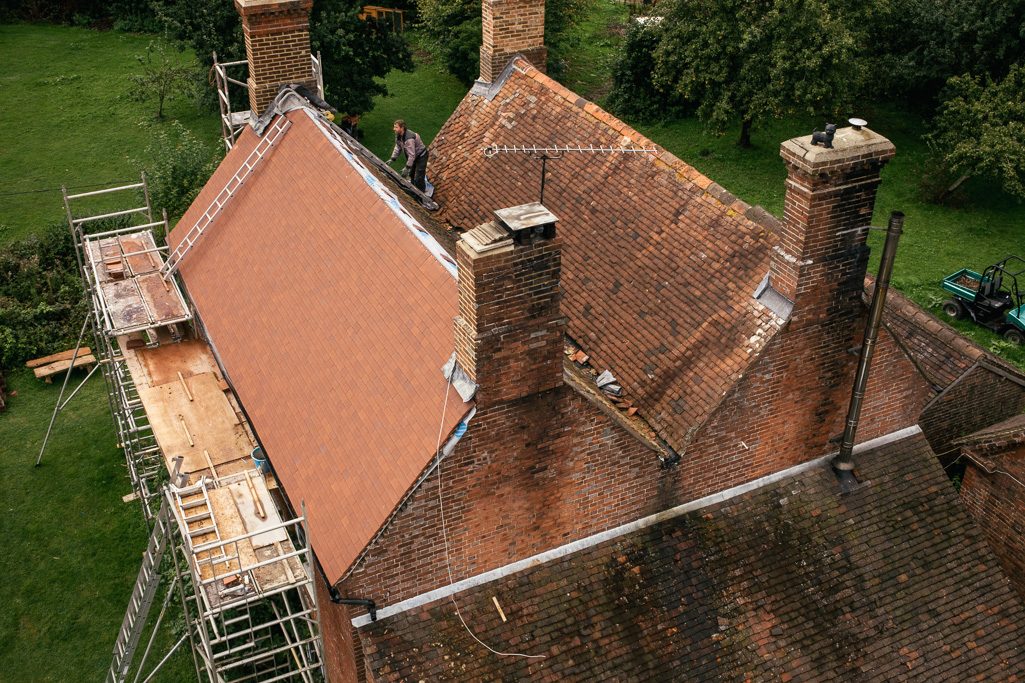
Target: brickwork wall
528, 476
823, 202
336, 628
997, 504
978, 399
510, 330
510, 27
792, 404
277, 39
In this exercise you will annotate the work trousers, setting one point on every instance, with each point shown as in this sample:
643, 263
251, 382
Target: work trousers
419, 174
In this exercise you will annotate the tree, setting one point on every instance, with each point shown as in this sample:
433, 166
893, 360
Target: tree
205, 27
980, 129
162, 78
744, 60
177, 169
355, 53
634, 93
454, 33
920, 44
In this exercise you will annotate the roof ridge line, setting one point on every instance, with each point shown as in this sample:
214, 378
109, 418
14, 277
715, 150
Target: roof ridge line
756, 214
616, 532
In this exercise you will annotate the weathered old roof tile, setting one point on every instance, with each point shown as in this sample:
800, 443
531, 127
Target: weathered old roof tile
793, 579
629, 244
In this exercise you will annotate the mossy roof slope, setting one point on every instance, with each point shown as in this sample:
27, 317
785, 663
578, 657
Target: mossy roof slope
791, 581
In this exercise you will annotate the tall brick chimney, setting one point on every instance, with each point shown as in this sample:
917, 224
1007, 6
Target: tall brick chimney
510, 329
512, 26
821, 261
277, 36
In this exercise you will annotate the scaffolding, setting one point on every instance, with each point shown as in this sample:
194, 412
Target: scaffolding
120, 272
232, 122
221, 542
249, 596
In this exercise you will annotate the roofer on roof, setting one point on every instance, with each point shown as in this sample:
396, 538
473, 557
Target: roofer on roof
413, 147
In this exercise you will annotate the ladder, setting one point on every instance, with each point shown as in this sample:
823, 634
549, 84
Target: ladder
195, 511
142, 597
261, 150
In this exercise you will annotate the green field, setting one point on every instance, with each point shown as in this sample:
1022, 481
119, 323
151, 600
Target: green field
67, 120
72, 546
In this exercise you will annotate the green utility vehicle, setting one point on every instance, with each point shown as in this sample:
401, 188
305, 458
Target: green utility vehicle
992, 299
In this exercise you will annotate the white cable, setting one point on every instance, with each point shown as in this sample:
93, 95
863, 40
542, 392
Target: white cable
444, 535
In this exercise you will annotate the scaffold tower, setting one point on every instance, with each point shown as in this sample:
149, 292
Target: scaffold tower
226, 551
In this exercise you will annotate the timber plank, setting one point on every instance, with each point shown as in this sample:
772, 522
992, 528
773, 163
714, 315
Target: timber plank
60, 366
63, 355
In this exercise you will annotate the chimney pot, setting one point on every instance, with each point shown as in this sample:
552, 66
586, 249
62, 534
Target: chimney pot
528, 221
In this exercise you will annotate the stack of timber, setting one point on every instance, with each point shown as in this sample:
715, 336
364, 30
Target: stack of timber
59, 362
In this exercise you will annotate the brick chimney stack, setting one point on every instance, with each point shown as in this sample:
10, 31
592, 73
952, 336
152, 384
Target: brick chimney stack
277, 34
510, 27
821, 262
510, 329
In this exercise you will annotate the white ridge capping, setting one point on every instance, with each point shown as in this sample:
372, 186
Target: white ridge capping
389, 198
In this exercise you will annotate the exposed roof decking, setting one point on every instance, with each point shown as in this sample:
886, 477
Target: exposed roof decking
790, 581
658, 274
335, 352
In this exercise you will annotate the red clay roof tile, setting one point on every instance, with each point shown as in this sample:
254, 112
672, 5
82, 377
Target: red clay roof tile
307, 283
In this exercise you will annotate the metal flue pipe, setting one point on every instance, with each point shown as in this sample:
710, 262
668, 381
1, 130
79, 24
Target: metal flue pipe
843, 460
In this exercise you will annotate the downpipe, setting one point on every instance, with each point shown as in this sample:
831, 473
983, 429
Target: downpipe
843, 461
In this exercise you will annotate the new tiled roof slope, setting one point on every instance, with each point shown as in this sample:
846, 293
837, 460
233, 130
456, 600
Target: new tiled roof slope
791, 582
333, 322
659, 263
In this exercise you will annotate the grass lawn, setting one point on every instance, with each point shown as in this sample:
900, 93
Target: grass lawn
424, 99
594, 44
72, 547
66, 119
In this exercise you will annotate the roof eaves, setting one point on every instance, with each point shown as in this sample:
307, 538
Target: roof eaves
638, 427
899, 305
427, 471
1012, 428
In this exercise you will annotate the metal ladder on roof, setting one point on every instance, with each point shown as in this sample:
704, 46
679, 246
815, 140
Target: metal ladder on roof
142, 598
262, 149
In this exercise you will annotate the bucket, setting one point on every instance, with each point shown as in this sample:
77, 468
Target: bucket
260, 460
